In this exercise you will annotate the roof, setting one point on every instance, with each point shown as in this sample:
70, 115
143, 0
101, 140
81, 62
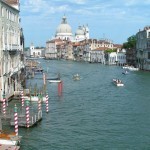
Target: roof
13, 3
10, 2
101, 49
76, 44
118, 46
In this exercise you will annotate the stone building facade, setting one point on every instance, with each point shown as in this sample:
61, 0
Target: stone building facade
11, 48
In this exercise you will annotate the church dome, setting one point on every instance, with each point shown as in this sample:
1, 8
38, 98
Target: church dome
79, 31
64, 27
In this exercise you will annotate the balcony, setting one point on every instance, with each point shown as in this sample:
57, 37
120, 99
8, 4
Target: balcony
11, 48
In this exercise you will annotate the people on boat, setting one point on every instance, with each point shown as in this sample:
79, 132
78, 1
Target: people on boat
76, 77
118, 81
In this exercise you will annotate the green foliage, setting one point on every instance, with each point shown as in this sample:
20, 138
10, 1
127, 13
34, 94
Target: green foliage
111, 50
131, 42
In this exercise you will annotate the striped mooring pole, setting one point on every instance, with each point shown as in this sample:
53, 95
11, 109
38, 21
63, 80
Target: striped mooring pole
4, 105
47, 103
16, 120
27, 114
22, 99
39, 103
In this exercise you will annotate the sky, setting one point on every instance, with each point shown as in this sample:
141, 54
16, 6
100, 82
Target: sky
110, 19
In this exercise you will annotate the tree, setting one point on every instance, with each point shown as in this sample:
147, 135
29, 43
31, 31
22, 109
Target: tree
131, 42
110, 50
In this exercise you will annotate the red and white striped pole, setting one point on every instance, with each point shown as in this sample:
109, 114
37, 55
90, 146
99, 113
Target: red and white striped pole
16, 120
4, 105
22, 99
39, 103
47, 103
27, 114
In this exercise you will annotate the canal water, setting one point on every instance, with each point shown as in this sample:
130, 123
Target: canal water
92, 114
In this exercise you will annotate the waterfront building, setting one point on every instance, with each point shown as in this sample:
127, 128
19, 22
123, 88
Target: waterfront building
121, 57
36, 52
143, 48
51, 51
76, 50
11, 48
69, 51
98, 55
131, 56
116, 58
111, 58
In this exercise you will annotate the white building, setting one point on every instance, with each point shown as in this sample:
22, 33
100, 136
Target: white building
143, 48
36, 52
121, 58
11, 48
116, 58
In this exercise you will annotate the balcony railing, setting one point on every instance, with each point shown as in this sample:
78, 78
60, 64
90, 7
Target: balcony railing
11, 47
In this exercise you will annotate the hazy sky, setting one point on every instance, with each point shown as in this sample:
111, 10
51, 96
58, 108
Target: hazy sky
111, 19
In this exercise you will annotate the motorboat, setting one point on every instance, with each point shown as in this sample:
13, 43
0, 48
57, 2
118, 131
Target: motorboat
55, 80
118, 82
76, 77
131, 68
9, 138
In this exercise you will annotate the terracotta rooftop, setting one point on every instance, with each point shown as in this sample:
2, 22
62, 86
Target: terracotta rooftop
117, 46
101, 49
11, 2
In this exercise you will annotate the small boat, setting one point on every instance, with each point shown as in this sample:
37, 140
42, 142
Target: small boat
118, 82
9, 138
55, 80
76, 77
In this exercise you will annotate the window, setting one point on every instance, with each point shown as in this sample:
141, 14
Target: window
148, 44
148, 55
149, 34
2, 11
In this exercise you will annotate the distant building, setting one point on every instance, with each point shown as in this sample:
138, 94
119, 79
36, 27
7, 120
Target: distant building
36, 52
98, 55
82, 33
143, 48
51, 51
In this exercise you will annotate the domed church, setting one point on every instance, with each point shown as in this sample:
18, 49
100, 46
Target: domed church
82, 33
64, 30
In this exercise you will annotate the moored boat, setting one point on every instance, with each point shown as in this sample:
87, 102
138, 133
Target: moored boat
34, 98
9, 138
131, 68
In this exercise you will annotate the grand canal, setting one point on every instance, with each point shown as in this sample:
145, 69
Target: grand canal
92, 114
